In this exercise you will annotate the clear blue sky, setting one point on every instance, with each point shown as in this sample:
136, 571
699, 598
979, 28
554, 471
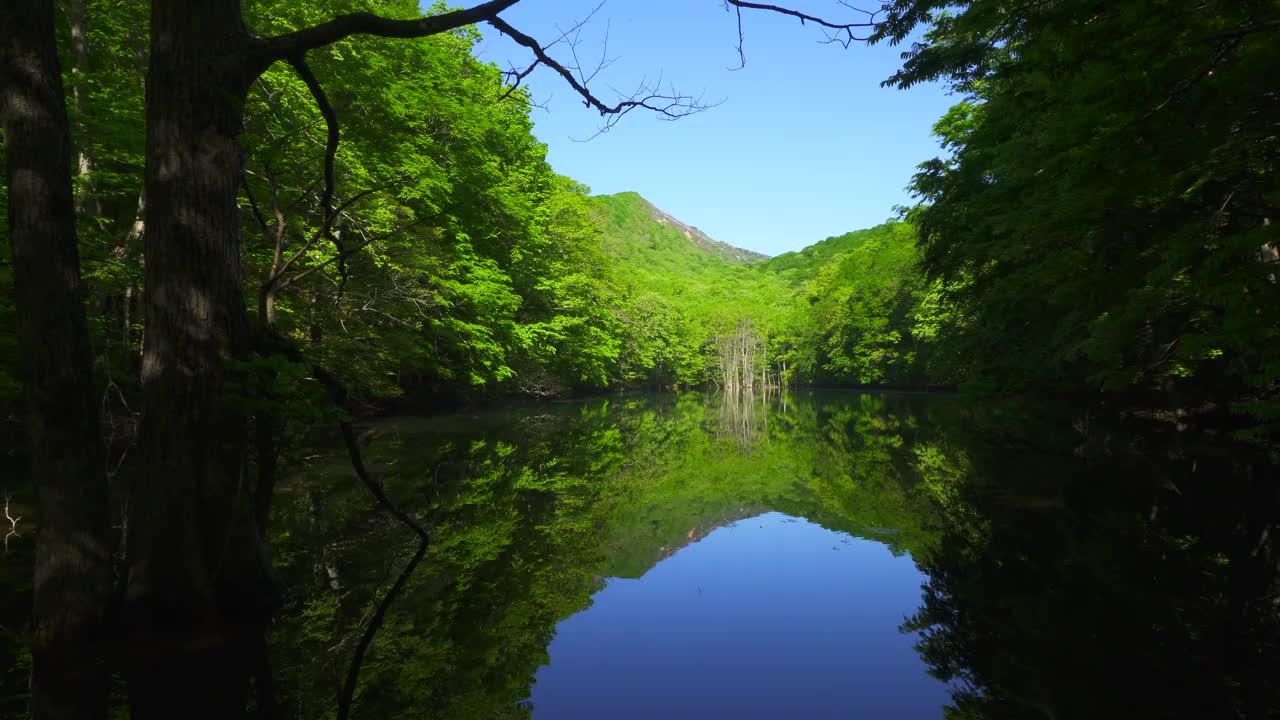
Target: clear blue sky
805, 145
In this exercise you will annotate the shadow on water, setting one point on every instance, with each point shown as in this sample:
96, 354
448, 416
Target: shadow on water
1073, 566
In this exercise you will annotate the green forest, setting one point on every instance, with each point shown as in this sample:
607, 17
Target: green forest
232, 222
1099, 232
476, 271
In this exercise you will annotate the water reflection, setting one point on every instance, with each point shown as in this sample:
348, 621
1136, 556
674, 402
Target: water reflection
767, 617
1142, 583
1072, 570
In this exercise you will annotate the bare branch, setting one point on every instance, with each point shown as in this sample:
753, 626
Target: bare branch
338, 394
742, 52
278, 275
841, 33
515, 77
13, 530
670, 105
282, 221
340, 398
282, 282
1261, 27
283, 47
303, 194
806, 18
12, 520
253, 205
576, 41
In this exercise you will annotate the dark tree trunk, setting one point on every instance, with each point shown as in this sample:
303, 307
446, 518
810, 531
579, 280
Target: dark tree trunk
199, 586
72, 564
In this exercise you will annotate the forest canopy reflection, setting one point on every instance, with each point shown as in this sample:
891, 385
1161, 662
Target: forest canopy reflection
1069, 576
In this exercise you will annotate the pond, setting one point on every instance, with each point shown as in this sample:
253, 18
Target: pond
813, 554
770, 616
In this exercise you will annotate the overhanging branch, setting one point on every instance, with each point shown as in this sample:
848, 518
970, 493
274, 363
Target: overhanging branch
513, 76
282, 47
806, 18
842, 33
299, 63
671, 105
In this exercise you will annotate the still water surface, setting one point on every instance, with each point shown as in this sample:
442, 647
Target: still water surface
770, 616
814, 555
811, 555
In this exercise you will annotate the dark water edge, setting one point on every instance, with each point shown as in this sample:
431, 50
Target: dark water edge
1077, 563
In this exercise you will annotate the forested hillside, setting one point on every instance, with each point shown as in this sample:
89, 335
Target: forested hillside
447, 259
593, 293
685, 290
450, 261
230, 222
802, 265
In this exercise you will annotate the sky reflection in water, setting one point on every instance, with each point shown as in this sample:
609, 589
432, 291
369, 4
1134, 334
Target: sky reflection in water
771, 616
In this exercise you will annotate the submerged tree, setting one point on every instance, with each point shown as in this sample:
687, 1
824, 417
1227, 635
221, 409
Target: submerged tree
739, 354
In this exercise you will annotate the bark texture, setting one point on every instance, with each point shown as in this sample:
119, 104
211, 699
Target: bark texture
199, 585
72, 565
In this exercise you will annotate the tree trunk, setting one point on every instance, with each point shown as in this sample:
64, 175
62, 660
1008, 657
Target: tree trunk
87, 200
132, 244
199, 585
72, 564
764, 364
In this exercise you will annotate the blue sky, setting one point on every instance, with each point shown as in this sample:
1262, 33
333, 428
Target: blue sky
805, 145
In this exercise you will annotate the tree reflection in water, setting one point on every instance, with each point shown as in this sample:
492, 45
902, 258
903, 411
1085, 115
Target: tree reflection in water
1075, 569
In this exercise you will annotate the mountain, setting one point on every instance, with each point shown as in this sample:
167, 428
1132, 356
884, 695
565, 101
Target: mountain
802, 265
836, 311
679, 289
629, 218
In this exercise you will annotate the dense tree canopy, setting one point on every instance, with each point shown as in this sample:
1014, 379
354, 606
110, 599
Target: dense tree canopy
1078, 233
1106, 214
272, 223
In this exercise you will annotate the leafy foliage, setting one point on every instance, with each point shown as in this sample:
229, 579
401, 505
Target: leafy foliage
1103, 218
1106, 215
866, 319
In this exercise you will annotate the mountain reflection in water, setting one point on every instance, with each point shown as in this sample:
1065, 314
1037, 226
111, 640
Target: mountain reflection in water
767, 617
696, 555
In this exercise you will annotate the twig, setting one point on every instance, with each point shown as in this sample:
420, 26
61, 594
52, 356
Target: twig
836, 32
670, 105
13, 521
